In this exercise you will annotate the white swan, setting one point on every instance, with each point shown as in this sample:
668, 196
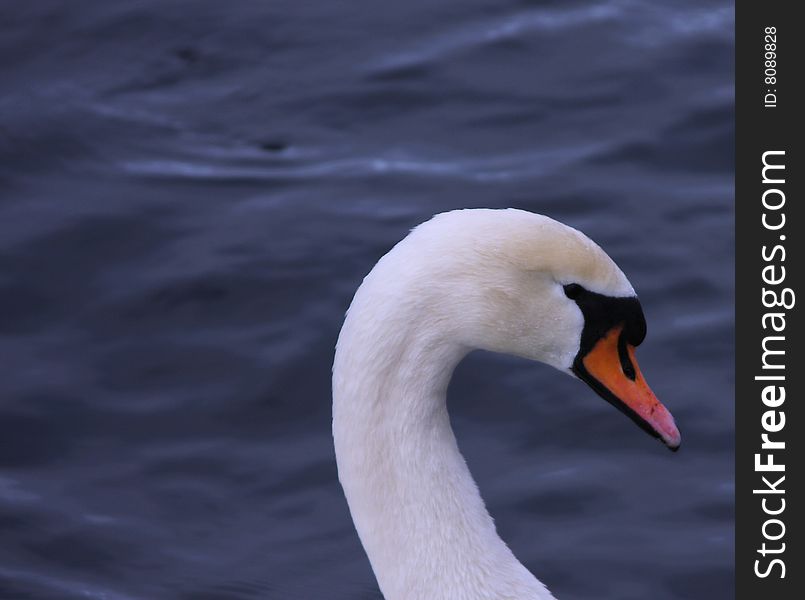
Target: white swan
501, 280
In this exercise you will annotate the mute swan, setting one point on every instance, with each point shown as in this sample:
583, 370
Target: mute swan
501, 280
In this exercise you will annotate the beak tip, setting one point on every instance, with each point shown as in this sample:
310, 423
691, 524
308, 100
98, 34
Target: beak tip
672, 439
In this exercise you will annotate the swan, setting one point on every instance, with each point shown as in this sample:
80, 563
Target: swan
502, 280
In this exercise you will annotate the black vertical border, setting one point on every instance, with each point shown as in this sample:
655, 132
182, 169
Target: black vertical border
759, 129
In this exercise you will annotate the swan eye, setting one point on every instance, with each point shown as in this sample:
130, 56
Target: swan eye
573, 290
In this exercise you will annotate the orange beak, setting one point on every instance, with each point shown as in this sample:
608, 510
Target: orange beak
611, 370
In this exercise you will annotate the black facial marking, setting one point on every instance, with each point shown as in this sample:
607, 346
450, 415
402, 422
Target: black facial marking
626, 363
602, 313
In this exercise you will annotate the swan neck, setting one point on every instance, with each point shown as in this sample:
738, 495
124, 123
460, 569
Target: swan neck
414, 503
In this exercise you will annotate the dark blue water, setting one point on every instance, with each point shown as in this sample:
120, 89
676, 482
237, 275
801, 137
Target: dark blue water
191, 191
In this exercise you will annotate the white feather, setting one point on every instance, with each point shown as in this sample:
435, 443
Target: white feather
488, 279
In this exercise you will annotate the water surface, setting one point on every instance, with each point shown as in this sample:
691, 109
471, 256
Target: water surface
190, 192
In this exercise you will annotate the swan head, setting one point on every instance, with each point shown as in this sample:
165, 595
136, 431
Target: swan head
519, 283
